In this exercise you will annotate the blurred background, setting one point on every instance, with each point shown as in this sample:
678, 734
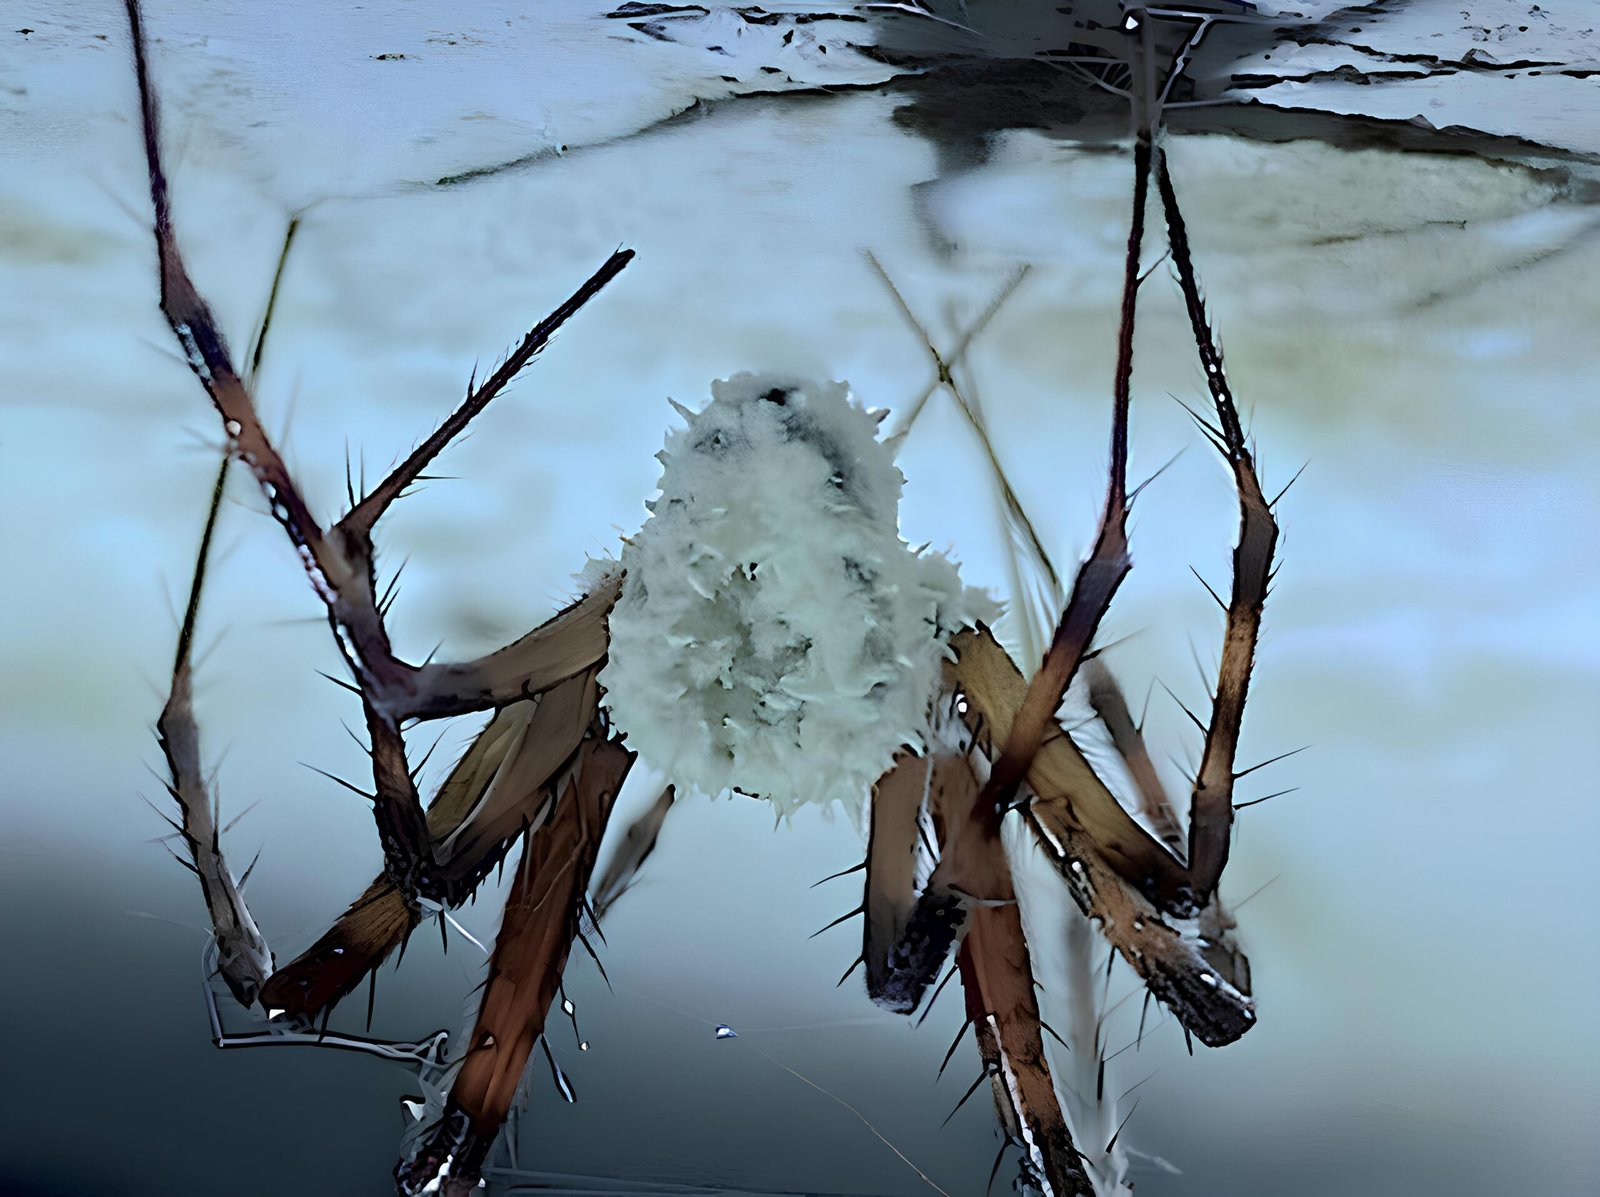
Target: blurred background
1407, 302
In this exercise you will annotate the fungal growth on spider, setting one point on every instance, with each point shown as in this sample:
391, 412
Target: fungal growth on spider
774, 635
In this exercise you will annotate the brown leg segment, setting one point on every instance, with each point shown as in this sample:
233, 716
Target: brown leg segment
541, 920
1211, 804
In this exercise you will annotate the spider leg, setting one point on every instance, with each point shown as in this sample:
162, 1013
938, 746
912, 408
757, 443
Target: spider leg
922, 893
1108, 563
1211, 802
542, 918
997, 978
505, 785
908, 930
1111, 706
637, 845
243, 957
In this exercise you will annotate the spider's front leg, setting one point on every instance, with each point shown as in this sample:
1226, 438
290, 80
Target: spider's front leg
505, 786
1118, 873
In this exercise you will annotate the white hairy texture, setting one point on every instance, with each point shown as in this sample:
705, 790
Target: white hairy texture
774, 634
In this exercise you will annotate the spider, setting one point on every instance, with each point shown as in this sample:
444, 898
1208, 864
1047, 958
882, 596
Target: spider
977, 743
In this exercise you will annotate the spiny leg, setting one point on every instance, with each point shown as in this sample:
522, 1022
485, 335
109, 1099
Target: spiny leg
997, 979
1211, 803
503, 787
1108, 563
542, 918
1111, 707
638, 844
1131, 849
243, 957
907, 932
933, 875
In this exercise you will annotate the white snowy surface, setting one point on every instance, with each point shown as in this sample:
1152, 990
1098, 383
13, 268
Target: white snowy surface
1419, 327
1501, 68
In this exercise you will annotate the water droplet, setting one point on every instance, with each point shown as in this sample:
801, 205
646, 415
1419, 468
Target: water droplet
724, 1031
1209, 979
567, 1006
338, 951
234, 427
584, 1046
